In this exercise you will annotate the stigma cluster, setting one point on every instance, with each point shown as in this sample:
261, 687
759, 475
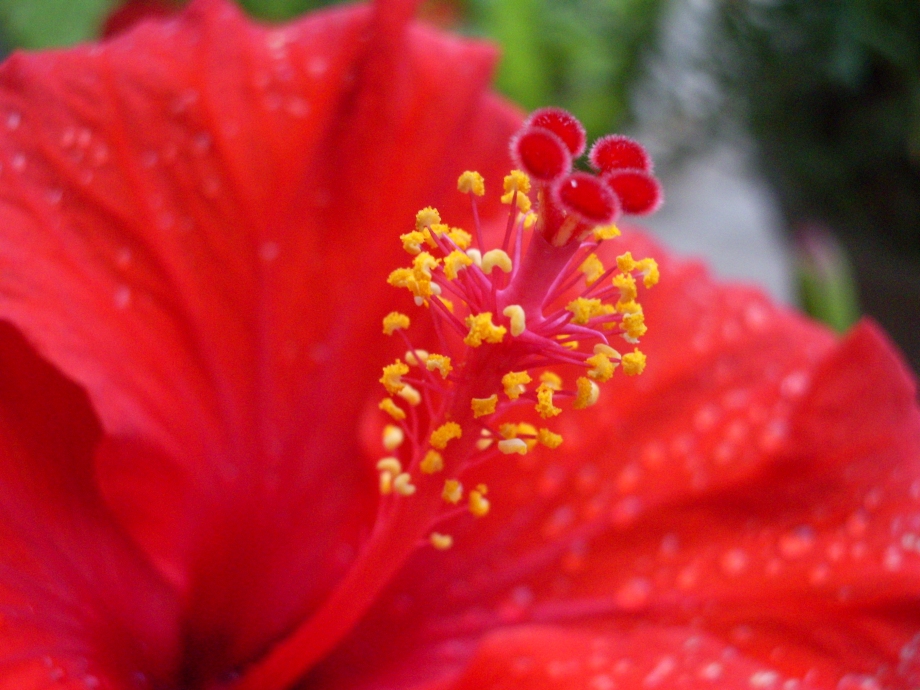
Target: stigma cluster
526, 328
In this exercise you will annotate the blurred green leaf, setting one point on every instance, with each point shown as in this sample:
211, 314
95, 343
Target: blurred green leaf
277, 10
46, 23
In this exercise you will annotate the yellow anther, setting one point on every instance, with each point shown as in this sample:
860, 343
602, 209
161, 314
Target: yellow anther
529, 433
444, 433
626, 263
496, 258
549, 439
414, 357
394, 321
592, 268
392, 377
629, 307
601, 367
447, 304
455, 262
571, 344
545, 402
483, 406
441, 363
552, 380
522, 201
508, 430
471, 182
482, 329
432, 463
516, 181
427, 217
460, 237
606, 232
479, 504
626, 284
390, 465
512, 445
605, 349
410, 395
475, 255
412, 241
648, 268
584, 309
515, 383
634, 325
402, 484
400, 277
529, 220
441, 542
453, 491
386, 483
634, 363
437, 230
392, 409
393, 437
485, 441
424, 264
586, 394
515, 312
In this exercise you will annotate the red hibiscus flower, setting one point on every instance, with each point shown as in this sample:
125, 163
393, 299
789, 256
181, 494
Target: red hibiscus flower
198, 222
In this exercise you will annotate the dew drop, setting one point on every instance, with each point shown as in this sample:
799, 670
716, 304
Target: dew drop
298, 107
318, 66
100, 155
893, 559
201, 142
601, 682
711, 671
634, 594
662, 670
18, 162
797, 543
268, 251
122, 297
763, 679
794, 385
13, 120
68, 137
734, 562
54, 196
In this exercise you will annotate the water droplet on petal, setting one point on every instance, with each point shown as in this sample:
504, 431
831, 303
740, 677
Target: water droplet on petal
734, 562
122, 297
797, 543
634, 594
763, 679
269, 251
13, 120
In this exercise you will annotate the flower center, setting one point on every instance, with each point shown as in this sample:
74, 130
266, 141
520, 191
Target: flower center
510, 321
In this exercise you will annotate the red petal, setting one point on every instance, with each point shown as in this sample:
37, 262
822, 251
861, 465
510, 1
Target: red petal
198, 220
639, 192
615, 151
540, 153
645, 656
757, 481
77, 598
563, 124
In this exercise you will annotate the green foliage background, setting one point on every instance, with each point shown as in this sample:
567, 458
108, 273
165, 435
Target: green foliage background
579, 54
